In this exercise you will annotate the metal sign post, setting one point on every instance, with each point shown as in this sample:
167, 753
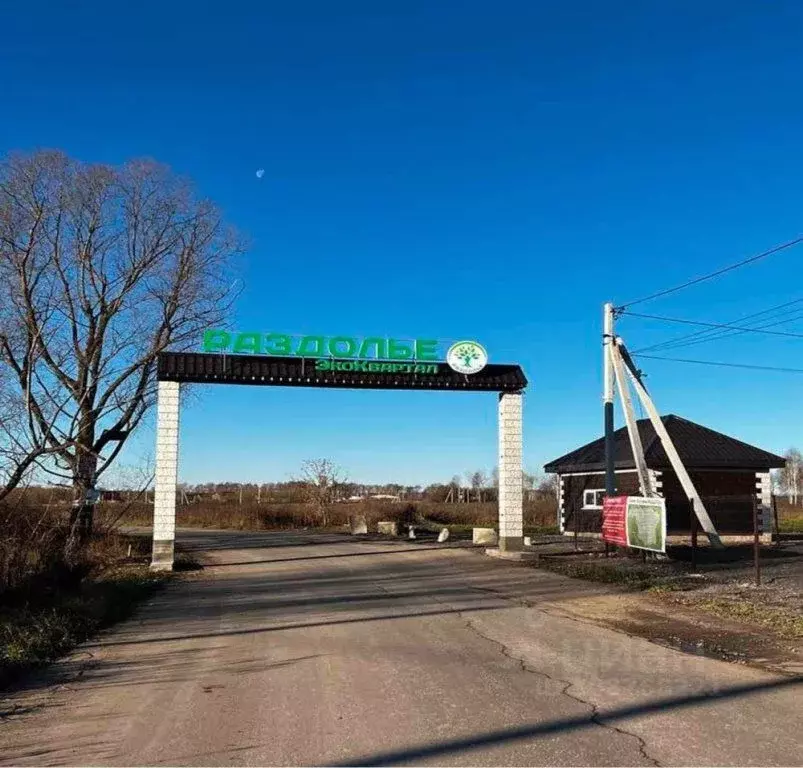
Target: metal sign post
756, 545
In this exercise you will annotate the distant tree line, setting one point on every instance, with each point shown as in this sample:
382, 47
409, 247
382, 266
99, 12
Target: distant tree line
332, 484
789, 480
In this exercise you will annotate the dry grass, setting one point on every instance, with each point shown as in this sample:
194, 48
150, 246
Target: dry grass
777, 619
42, 628
278, 516
31, 546
49, 603
791, 525
790, 516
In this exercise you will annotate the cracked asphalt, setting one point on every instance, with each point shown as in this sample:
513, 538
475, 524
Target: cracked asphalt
319, 649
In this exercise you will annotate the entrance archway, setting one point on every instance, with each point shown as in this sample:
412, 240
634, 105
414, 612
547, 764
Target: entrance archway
177, 368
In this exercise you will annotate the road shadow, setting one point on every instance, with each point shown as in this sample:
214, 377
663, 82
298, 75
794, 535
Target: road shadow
524, 733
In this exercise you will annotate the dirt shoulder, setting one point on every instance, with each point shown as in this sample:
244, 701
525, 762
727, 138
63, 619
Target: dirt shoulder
690, 628
715, 610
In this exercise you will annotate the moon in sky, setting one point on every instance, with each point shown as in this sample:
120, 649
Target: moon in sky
260, 173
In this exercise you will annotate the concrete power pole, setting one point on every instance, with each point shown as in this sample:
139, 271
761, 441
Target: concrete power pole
607, 397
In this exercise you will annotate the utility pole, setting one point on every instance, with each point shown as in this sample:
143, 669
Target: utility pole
607, 396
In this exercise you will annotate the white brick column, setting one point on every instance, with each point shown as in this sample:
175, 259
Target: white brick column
511, 497
764, 497
164, 502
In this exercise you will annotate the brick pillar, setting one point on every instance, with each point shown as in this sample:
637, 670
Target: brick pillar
511, 513
164, 501
561, 510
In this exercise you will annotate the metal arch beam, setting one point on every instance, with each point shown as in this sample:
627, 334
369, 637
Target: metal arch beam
271, 370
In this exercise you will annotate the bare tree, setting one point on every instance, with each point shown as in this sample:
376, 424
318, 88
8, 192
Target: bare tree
101, 269
322, 480
549, 484
791, 476
477, 481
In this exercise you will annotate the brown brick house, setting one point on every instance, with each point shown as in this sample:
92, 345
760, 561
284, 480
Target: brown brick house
729, 475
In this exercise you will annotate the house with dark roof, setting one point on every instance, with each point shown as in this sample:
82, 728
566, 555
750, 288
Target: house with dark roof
730, 476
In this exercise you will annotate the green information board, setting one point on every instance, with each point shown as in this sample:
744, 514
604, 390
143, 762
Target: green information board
646, 523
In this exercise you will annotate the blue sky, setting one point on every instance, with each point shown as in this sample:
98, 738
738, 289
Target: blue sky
452, 169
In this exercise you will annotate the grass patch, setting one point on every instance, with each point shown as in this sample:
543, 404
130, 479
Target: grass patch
591, 571
791, 525
616, 570
541, 530
754, 613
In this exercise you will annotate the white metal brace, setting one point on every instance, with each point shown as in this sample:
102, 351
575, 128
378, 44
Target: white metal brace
630, 419
674, 458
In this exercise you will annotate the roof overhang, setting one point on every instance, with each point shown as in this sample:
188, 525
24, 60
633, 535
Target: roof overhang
563, 469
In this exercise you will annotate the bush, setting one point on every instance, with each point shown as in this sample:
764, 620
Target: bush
33, 549
42, 629
31, 546
49, 603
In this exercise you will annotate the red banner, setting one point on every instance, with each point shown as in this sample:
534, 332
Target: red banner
614, 520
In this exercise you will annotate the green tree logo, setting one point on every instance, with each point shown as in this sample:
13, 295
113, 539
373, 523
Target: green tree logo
467, 357
467, 354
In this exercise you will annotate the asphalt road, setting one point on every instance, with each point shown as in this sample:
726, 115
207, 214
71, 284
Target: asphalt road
305, 649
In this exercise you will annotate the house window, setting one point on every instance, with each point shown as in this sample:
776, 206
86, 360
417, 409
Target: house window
592, 498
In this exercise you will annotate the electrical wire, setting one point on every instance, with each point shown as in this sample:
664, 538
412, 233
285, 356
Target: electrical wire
712, 275
710, 334
707, 334
724, 365
714, 325
729, 334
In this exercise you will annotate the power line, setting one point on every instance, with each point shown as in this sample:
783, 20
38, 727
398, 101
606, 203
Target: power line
714, 325
728, 334
724, 365
712, 275
711, 335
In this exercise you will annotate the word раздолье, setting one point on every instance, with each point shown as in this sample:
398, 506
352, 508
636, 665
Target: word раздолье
375, 348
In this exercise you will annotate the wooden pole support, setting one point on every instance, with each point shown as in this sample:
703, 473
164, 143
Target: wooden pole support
672, 454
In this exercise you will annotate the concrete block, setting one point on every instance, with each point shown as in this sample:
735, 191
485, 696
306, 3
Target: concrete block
388, 527
359, 525
484, 536
443, 535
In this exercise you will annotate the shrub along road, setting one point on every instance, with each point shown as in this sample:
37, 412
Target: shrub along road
299, 649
